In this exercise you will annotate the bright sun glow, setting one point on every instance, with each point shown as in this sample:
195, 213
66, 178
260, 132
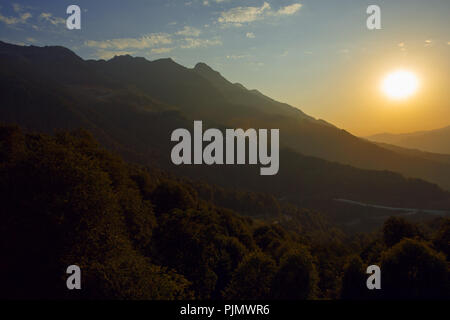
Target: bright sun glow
400, 84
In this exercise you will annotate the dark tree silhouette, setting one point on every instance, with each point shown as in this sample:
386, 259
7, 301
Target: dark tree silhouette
252, 279
395, 229
354, 280
297, 277
412, 270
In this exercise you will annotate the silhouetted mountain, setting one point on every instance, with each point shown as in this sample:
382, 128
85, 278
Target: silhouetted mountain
437, 141
132, 105
238, 94
438, 157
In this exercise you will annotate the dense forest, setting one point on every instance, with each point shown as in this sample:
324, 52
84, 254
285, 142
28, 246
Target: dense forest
142, 233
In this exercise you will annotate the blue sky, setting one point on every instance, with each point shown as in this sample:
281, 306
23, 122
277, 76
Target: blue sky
317, 55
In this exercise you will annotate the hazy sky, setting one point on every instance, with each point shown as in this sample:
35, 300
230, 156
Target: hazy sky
317, 55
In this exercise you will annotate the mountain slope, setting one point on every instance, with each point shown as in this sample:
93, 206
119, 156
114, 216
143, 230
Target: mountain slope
132, 105
437, 157
238, 94
437, 141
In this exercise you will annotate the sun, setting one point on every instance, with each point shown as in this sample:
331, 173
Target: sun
400, 84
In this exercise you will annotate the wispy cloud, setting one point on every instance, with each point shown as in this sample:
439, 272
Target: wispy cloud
207, 2
236, 57
189, 32
17, 7
161, 50
158, 43
26, 15
402, 46
245, 15
190, 43
21, 18
144, 42
239, 15
289, 10
47, 16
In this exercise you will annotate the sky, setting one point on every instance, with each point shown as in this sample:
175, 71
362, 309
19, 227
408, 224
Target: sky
317, 55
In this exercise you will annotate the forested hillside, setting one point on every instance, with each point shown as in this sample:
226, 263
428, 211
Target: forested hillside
140, 233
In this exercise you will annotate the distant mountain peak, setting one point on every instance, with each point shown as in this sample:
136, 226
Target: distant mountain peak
141, 64
205, 70
127, 57
27, 48
49, 54
239, 85
203, 66
211, 75
122, 57
170, 60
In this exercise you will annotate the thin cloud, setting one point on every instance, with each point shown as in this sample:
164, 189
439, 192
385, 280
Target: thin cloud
239, 15
20, 19
190, 43
237, 57
46, 16
245, 15
161, 50
17, 7
289, 10
144, 42
189, 32
207, 2
156, 42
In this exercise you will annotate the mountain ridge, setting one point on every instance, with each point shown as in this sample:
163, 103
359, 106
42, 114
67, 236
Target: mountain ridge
130, 103
436, 140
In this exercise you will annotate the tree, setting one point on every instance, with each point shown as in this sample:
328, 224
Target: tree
170, 195
354, 279
412, 270
252, 279
65, 201
395, 229
271, 240
442, 238
296, 277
